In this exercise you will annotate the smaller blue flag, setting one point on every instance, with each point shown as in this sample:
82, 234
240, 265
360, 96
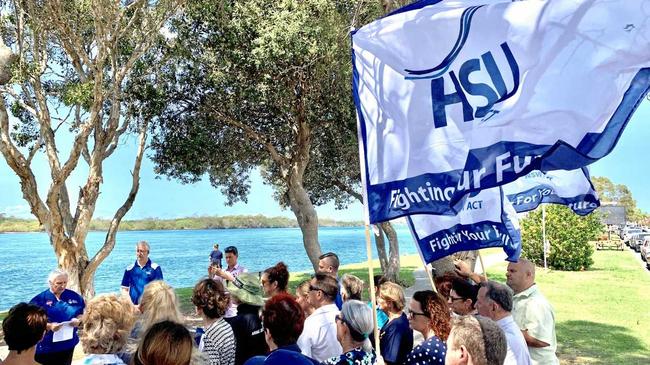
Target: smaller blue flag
486, 219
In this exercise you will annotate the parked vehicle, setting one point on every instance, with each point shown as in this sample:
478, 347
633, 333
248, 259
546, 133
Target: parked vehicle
629, 233
637, 240
645, 251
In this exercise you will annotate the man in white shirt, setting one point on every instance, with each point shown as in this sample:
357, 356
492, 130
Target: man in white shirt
318, 338
495, 302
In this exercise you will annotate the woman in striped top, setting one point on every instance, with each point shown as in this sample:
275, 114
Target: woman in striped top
218, 341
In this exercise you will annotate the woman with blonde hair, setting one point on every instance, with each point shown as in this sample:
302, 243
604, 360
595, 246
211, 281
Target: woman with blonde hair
302, 297
158, 303
106, 324
395, 337
165, 343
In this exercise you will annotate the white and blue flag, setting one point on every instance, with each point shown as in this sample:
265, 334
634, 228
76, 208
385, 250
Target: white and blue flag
453, 99
486, 219
571, 188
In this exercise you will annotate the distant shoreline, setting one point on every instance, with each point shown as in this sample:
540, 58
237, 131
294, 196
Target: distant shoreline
18, 225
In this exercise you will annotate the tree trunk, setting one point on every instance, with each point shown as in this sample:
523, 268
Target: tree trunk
378, 232
393, 267
305, 213
445, 264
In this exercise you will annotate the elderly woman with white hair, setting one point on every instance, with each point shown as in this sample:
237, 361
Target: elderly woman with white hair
354, 325
64, 308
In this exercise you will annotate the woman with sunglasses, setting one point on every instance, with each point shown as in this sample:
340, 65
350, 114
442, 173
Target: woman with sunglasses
428, 314
353, 326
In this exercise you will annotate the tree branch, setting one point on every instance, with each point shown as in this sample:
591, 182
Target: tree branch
109, 241
252, 135
20, 166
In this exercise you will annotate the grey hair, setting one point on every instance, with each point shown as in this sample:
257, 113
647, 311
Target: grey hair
145, 244
499, 293
55, 274
358, 316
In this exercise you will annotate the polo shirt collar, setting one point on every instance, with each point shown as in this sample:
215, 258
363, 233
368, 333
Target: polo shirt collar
148, 263
234, 268
326, 309
528, 292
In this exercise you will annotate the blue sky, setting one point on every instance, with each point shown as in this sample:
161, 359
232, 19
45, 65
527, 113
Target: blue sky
163, 198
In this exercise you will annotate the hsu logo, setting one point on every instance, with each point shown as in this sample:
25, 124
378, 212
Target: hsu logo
494, 93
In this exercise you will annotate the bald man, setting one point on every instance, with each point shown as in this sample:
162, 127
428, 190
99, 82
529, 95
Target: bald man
532, 313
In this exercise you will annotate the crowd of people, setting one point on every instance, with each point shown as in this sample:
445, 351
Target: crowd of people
252, 319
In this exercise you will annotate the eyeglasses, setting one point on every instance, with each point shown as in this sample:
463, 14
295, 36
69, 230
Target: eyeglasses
453, 299
412, 314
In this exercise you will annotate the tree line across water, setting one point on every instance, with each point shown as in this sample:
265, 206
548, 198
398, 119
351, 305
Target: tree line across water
12, 224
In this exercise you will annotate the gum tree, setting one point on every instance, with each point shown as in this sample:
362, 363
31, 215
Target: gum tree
66, 70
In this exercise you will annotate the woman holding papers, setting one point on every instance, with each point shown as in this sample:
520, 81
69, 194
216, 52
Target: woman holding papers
64, 309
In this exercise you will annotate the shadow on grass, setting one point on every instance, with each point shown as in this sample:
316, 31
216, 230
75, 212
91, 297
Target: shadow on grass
583, 342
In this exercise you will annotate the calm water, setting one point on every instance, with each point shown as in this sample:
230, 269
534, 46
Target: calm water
27, 258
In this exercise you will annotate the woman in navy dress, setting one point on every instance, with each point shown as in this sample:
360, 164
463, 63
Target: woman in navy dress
64, 308
429, 314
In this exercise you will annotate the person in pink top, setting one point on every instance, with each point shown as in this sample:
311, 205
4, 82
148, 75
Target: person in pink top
232, 270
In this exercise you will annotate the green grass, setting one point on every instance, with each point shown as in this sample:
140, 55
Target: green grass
408, 265
602, 314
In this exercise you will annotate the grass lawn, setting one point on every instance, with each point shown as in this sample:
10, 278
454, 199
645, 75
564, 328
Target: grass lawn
408, 264
603, 314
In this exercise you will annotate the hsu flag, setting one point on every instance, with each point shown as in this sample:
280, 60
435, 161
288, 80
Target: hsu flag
486, 220
454, 99
571, 188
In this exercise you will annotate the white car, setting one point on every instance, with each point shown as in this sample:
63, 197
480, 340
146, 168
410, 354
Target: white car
645, 251
637, 240
627, 236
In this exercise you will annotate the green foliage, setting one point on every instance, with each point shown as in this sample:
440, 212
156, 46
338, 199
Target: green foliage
568, 234
244, 76
76, 93
618, 194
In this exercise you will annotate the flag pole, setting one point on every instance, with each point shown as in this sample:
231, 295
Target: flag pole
371, 279
544, 234
480, 257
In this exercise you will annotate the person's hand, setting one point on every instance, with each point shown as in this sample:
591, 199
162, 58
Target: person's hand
75, 322
379, 360
462, 268
55, 326
217, 271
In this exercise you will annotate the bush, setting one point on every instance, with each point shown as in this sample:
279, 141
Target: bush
568, 235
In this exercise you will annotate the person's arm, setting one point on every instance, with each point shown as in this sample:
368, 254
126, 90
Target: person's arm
53, 326
224, 274
126, 285
532, 341
463, 270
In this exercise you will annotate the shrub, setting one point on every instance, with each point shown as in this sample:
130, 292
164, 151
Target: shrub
568, 235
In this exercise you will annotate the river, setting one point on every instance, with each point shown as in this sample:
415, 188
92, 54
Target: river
27, 258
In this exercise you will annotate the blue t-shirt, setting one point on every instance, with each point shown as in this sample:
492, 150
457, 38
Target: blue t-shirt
429, 352
382, 317
396, 340
70, 306
136, 277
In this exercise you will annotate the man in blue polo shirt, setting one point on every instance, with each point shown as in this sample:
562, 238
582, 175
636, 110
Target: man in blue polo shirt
140, 273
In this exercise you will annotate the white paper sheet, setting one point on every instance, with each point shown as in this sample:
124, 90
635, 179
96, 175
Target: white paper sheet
64, 333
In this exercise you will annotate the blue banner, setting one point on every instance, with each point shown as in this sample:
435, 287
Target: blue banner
453, 99
571, 188
486, 220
